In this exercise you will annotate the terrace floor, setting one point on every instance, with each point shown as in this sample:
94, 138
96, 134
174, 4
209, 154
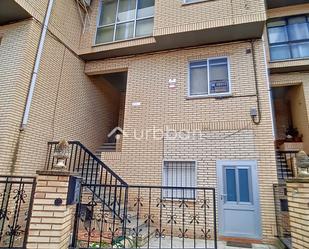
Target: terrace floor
199, 243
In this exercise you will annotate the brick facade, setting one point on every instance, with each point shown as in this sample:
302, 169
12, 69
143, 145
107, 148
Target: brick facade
51, 225
72, 101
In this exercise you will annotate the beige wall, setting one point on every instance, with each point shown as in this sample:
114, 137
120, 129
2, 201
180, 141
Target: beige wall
17, 49
66, 102
300, 114
225, 123
65, 22
174, 17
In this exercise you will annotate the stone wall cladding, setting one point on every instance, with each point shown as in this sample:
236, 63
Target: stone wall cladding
161, 107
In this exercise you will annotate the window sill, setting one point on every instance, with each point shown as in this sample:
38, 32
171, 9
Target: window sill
287, 60
121, 41
219, 96
187, 200
199, 1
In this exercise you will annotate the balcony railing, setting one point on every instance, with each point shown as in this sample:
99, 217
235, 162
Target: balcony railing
286, 165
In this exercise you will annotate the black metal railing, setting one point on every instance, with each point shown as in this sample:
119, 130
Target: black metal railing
155, 217
113, 214
16, 196
286, 167
94, 172
282, 214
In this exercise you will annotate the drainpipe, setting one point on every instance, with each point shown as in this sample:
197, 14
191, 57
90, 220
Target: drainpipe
259, 113
271, 103
36, 65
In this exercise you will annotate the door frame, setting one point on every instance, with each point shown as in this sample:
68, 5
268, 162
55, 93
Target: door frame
255, 193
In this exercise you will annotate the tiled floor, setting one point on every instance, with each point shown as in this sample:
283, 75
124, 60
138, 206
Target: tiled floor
189, 243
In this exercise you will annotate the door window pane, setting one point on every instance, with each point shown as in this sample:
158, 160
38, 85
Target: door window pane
144, 27
231, 185
277, 34
126, 10
105, 34
124, 31
218, 76
198, 79
145, 8
300, 50
244, 188
108, 12
280, 52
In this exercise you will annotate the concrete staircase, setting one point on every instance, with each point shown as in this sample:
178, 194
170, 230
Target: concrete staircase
106, 147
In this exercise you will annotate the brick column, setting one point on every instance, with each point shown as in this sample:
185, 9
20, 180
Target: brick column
52, 220
298, 199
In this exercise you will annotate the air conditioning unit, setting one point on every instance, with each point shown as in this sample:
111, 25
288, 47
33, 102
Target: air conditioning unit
87, 2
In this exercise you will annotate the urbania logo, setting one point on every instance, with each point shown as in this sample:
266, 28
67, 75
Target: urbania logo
158, 134
154, 133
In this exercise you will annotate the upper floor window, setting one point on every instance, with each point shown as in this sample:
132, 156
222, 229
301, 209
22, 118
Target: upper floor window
289, 37
209, 77
124, 19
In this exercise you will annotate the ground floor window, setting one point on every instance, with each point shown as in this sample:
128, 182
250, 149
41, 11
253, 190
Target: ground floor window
179, 174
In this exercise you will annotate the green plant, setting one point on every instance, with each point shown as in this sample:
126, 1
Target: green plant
99, 245
129, 242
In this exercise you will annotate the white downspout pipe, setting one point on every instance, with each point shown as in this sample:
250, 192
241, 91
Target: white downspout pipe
271, 104
36, 65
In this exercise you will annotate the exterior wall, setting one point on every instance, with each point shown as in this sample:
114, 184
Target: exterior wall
298, 211
66, 102
17, 50
175, 17
65, 21
227, 120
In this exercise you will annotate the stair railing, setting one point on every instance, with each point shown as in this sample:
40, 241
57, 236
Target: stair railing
102, 181
286, 167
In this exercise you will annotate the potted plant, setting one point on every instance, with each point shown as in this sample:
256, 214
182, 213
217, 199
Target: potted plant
61, 153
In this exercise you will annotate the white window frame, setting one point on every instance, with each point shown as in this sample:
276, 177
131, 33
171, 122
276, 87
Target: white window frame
164, 183
195, 1
208, 82
135, 20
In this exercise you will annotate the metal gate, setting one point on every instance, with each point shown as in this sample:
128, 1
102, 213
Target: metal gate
282, 214
16, 197
126, 216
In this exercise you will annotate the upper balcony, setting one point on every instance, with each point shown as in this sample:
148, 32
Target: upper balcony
282, 3
125, 27
288, 39
10, 11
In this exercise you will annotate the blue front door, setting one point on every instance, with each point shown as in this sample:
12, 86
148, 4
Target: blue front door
239, 214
